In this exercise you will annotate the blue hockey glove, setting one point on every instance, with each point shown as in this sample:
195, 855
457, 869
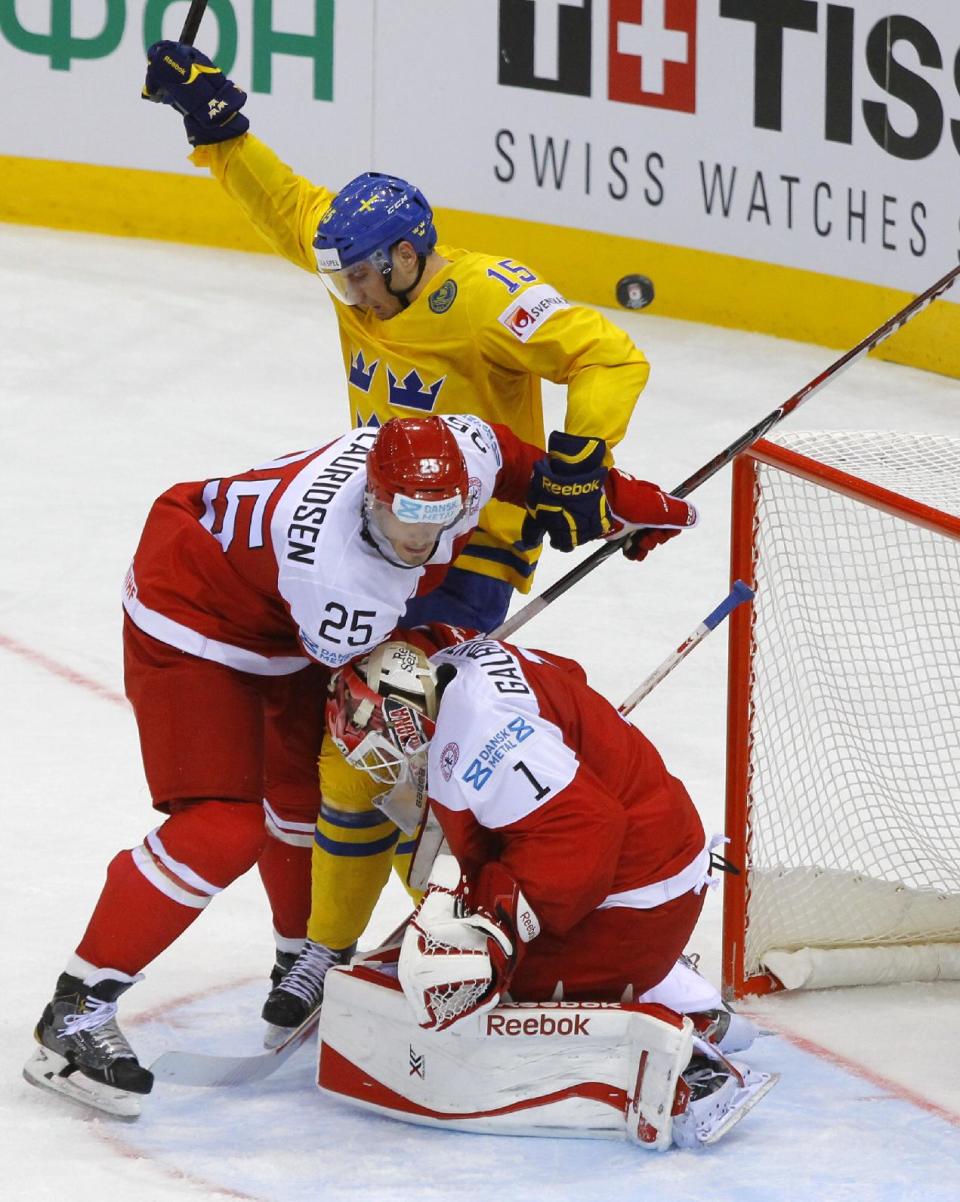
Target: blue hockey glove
566, 499
185, 78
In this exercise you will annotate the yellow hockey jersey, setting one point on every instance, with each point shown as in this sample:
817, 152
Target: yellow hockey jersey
478, 339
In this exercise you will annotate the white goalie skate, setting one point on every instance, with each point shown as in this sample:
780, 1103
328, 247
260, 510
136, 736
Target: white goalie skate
723, 1092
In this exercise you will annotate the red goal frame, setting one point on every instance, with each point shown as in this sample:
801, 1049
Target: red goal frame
743, 517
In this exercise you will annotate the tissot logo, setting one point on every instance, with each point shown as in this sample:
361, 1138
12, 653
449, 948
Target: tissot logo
651, 49
652, 54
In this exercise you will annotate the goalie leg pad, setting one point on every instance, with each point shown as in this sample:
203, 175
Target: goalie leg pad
660, 1043
544, 1069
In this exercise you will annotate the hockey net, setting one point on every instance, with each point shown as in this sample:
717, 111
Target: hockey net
843, 774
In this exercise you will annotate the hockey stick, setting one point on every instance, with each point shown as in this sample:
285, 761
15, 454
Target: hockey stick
889, 327
191, 25
199, 1069
738, 594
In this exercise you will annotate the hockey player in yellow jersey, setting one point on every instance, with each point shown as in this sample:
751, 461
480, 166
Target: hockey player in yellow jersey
424, 328
436, 329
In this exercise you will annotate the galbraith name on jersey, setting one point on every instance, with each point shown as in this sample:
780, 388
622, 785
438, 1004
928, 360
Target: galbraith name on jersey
502, 668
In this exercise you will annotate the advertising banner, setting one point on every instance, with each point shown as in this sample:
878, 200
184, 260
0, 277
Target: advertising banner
810, 134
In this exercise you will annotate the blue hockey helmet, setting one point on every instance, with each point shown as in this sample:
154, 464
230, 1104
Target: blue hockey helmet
366, 220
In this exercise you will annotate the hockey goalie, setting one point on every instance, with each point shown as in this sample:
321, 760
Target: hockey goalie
539, 987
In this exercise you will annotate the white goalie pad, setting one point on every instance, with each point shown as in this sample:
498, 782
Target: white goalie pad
575, 1069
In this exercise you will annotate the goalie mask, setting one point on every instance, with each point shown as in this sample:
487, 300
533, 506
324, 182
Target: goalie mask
381, 711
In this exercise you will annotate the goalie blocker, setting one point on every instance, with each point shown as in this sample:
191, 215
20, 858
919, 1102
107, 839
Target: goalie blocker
576, 1069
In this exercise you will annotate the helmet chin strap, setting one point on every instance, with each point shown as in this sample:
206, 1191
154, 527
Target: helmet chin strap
403, 294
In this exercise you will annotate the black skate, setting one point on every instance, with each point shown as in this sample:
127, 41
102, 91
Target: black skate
284, 962
83, 1054
299, 992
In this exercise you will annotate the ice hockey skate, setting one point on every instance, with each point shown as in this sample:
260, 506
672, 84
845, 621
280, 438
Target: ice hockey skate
83, 1055
686, 990
726, 1029
282, 965
298, 991
722, 1093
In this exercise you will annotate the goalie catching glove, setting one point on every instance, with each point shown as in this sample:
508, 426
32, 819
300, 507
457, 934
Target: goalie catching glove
454, 964
574, 498
185, 78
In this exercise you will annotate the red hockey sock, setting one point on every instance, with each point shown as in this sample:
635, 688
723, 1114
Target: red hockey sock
285, 872
154, 892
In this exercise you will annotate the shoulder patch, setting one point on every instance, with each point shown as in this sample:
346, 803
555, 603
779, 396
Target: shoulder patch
524, 316
441, 300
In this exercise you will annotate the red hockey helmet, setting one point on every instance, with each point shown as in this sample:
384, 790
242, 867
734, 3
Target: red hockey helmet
417, 470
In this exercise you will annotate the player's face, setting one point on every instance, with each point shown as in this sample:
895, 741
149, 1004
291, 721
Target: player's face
412, 542
363, 284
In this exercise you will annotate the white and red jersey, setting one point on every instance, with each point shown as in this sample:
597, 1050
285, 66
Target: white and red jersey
530, 766
254, 569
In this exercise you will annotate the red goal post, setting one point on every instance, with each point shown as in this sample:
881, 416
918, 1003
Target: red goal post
843, 725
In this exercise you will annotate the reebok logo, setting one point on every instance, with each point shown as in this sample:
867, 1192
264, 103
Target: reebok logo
539, 1024
569, 490
530, 927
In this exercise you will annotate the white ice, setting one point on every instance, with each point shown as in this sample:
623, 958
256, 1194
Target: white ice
128, 365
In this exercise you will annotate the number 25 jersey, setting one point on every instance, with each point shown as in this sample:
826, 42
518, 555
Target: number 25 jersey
255, 569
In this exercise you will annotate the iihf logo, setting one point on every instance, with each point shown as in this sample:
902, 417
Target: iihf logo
448, 759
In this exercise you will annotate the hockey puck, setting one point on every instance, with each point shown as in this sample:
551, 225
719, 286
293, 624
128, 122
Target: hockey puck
635, 291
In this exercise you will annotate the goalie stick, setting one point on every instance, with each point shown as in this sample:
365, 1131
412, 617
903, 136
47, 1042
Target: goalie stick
747, 439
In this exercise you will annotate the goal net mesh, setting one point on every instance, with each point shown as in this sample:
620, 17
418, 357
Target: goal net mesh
853, 797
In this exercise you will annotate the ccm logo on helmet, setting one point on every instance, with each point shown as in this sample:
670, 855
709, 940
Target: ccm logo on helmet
540, 1024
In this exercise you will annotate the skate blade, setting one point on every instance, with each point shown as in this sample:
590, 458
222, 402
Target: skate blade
744, 1102
43, 1069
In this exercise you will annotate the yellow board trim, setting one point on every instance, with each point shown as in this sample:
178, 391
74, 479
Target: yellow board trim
694, 285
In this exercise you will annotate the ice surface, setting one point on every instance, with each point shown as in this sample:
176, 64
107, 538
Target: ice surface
128, 365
